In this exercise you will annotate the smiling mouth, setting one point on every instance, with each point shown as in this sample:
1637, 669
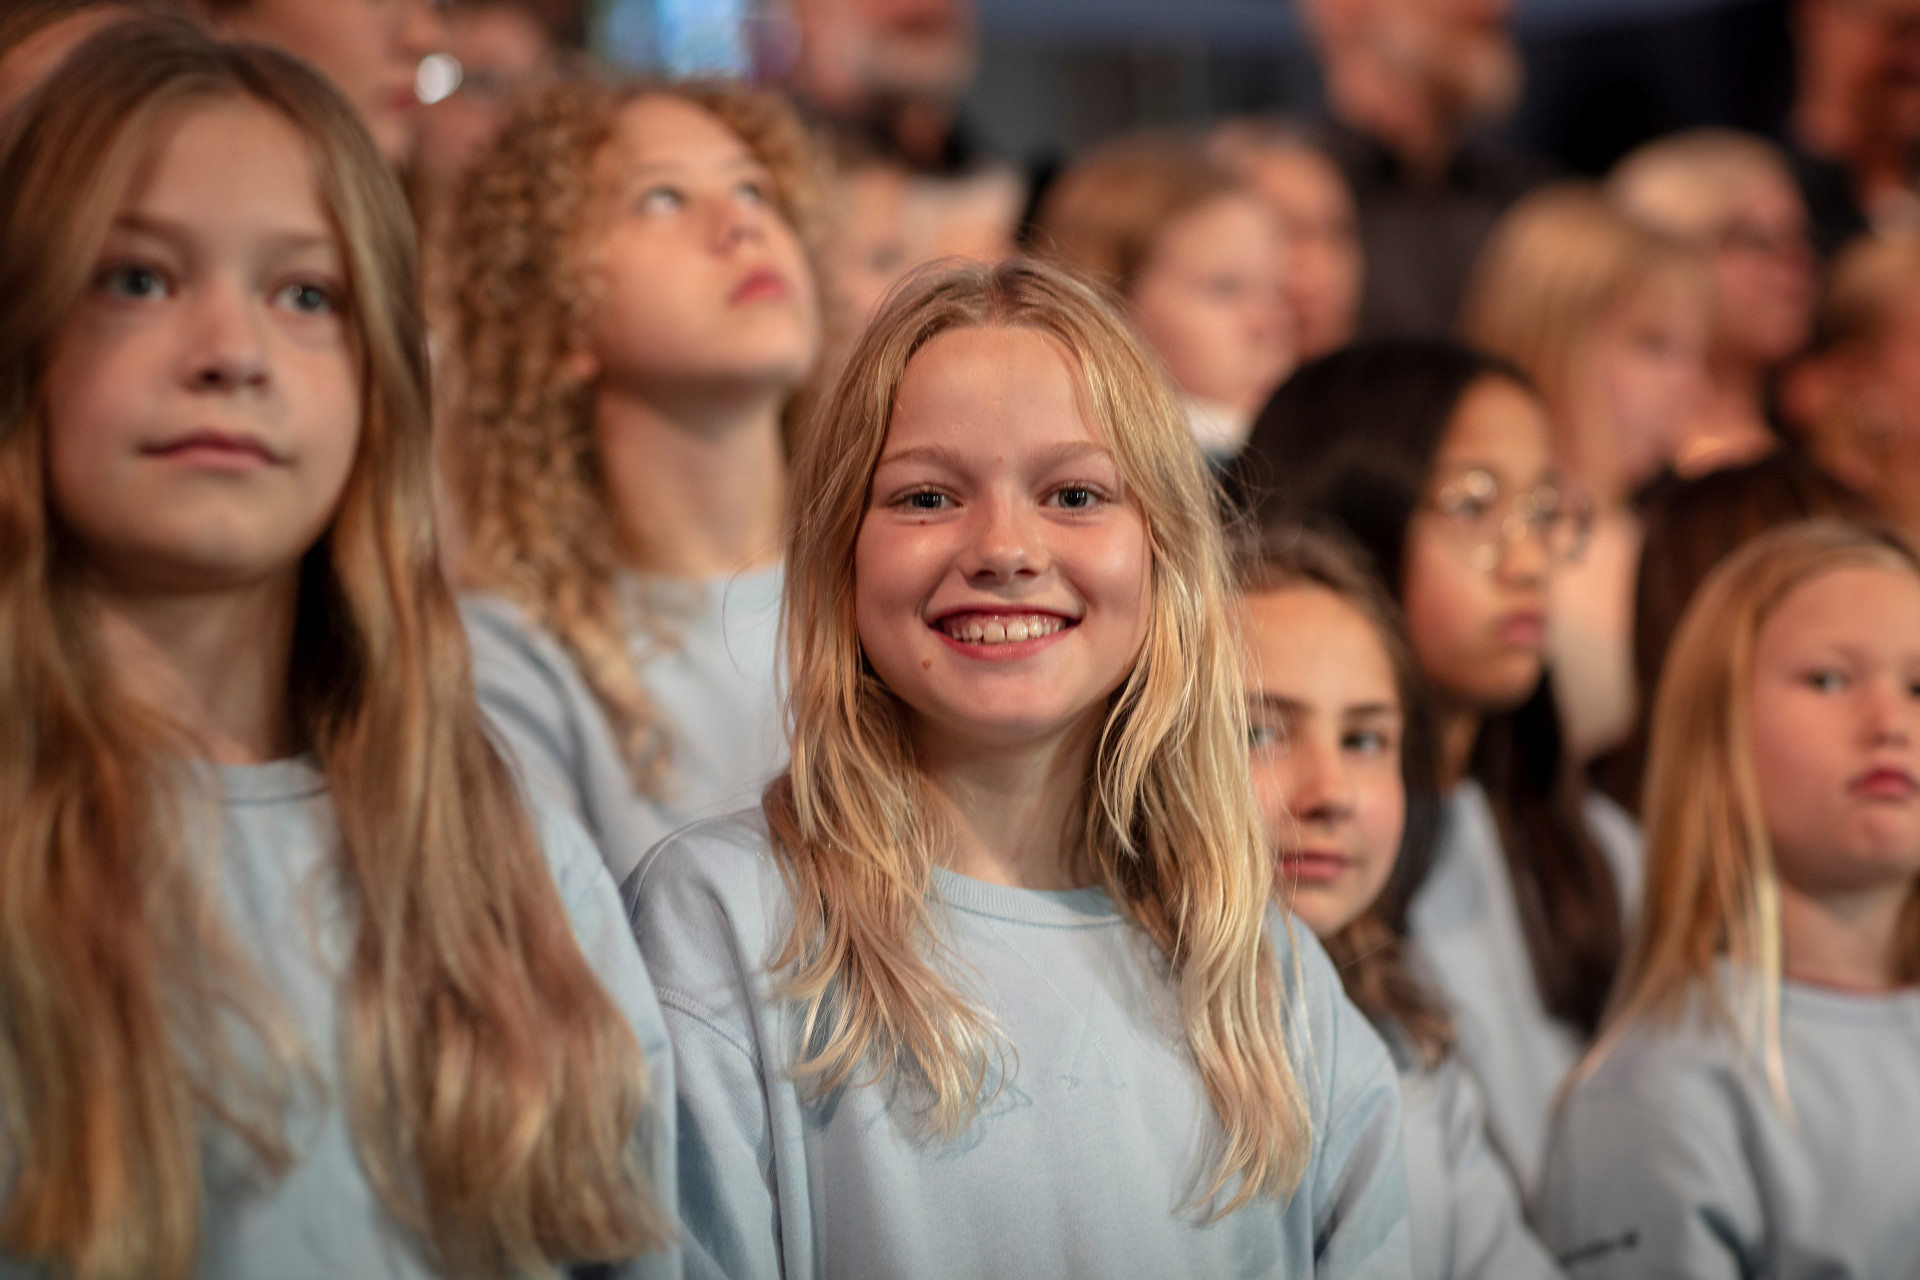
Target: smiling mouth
1000, 628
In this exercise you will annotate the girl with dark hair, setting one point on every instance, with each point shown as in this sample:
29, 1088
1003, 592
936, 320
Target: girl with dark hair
1436, 459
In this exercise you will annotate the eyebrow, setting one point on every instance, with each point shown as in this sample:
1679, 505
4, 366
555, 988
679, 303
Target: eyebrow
1293, 706
645, 167
947, 456
176, 233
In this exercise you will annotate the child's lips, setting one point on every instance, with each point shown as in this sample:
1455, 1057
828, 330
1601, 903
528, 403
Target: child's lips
1885, 784
1312, 866
1526, 628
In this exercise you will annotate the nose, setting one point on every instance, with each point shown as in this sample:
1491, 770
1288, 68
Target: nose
1322, 791
1003, 545
1523, 558
1891, 713
227, 344
737, 221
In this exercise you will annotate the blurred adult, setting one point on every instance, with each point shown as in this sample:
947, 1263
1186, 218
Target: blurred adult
892, 69
872, 246
1293, 173
37, 35
1858, 396
370, 49
1411, 86
1196, 257
1854, 132
1609, 319
502, 47
1733, 197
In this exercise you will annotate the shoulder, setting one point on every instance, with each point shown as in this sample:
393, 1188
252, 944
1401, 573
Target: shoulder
1690, 1075
1340, 1055
710, 881
500, 628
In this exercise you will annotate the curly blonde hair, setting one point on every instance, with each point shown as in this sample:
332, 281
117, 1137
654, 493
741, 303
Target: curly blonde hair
521, 455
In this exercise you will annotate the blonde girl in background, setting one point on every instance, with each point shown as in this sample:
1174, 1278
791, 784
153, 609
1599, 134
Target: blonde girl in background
296, 983
990, 984
637, 310
1731, 196
1753, 1107
1200, 262
1609, 319
1342, 765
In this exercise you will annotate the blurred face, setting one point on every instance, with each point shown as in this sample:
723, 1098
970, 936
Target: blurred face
856, 51
872, 251
703, 288
500, 50
1459, 52
371, 49
1872, 47
1763, 277
1209, 301
1644, 367
1326, 725
203, 400
1479, 553
1322, 237
1002, 579
1835, 709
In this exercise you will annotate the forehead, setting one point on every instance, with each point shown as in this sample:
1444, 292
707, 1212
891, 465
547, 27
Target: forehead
660, 128
993, 389
230, 165
1861, 606
1498, 425
1313, 645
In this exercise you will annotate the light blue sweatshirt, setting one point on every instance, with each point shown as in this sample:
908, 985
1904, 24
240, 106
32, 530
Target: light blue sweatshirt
1466, 933
714, 682
1078, 1166
1674, 1162
323, 1221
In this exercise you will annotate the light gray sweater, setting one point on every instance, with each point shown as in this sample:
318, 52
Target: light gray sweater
1673, 1162
322, 1221
714, 683
1078, 1166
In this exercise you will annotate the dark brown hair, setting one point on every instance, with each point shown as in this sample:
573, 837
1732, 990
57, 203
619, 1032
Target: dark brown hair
1370, 952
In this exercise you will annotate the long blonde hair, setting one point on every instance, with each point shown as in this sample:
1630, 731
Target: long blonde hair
1171, 830
493, 1088
520, 447
1712, 889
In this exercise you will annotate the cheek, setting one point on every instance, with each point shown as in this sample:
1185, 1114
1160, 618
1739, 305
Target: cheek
1272, 790
1438, 596
1380, 805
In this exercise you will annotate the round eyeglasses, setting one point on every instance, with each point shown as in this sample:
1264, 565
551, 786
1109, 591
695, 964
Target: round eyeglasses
1484, 522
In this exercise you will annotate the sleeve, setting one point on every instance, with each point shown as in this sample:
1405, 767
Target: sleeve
1491, 1239
1358, 1174
707, 981
1638, 1192
599, 922
523, 692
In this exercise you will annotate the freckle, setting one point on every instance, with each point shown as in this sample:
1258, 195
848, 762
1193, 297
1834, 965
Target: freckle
926, 664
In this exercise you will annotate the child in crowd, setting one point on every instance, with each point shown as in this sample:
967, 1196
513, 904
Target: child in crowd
1609, 319
636, 312
1437, 461
1198, 259
1338, 745
991, 983
295, 982
1753, 1108
1732, 196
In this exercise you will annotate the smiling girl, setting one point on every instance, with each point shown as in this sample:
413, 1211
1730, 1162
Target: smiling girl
637, 309
1337, 743
295, 984
1754, 1106
990, 985
1436, 459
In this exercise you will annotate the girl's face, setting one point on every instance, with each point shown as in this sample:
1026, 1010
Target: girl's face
1835, 709
203, 399
1002, 579
1322, 243
371, 49
1478, 554
1763, 274
703, 288
1210, 301
1645, 368
1326, 724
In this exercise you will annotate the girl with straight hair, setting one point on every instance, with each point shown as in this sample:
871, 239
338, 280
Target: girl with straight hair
636, 312
1436, 460
1753, 1107
296, 983
1342, 765
991, 984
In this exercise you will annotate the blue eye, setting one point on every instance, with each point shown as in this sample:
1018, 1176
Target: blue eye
131, 280
308, 298
660, 200
1261, 737
1828, 681
1369, 742
754, 192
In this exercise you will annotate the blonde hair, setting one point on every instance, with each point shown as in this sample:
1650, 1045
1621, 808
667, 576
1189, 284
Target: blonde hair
1104, 215
493, 1087
1712, 889
1171, 830
1691, 184
521, 449
1556, 263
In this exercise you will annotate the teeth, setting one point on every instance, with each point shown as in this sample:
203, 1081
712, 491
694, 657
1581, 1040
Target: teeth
975, 628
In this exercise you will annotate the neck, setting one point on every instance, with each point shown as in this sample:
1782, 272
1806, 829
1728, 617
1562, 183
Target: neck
698, 490
1731, 426
1457, 728
213, 664
1018, 812
1850, 942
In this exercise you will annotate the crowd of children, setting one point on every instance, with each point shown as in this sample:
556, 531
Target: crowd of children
600, 749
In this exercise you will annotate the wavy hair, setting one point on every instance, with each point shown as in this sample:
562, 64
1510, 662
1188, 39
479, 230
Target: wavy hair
521, 452
1171, 830
1712, 889
494, 1090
